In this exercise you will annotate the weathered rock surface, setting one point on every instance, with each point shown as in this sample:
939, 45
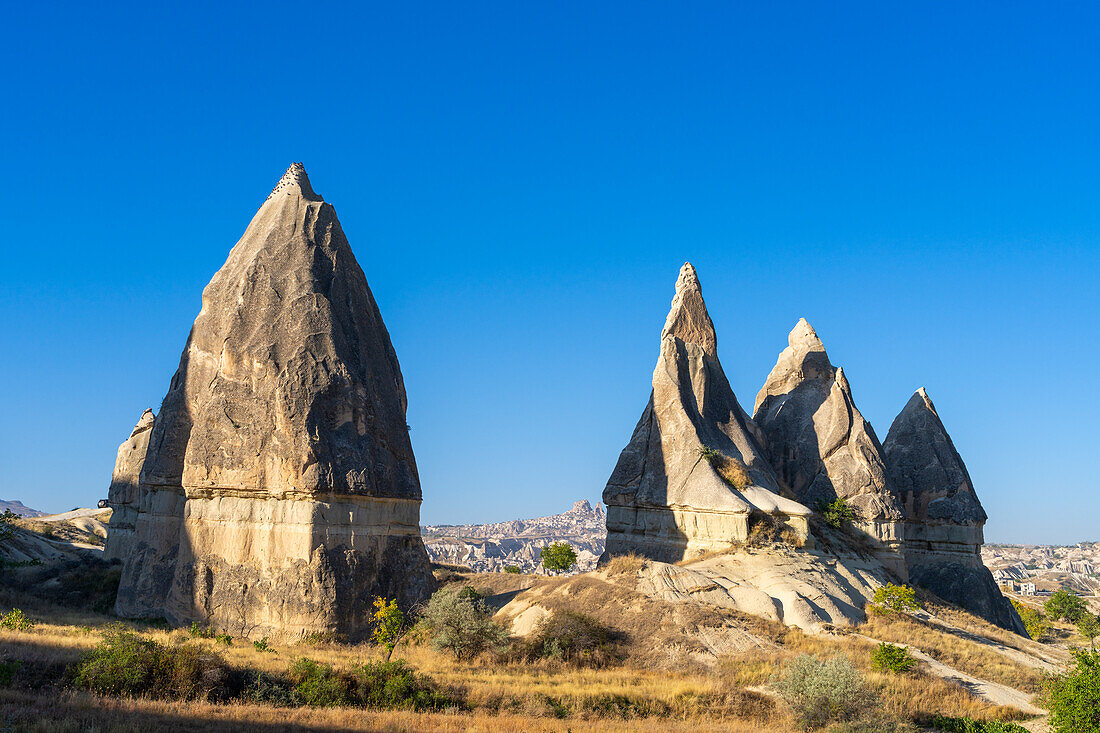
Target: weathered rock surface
944, 530
122, 496
280, 493
821, 446
664, 499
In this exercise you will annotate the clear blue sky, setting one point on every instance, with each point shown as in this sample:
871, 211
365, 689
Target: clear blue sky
522, 181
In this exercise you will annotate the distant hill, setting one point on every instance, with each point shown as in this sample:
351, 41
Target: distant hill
492, 547
17, 507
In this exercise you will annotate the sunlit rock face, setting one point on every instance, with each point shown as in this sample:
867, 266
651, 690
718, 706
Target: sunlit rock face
821, 447
280, 492
664, 499
122, 496
943, 536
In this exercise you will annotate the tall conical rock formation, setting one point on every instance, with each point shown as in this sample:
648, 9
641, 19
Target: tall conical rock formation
821, 446
944, 539
280, 492
665, 499
122, 496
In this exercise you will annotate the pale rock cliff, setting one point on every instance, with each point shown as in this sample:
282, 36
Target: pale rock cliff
122, 496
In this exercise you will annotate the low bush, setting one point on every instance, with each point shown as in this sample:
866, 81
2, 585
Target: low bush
270, 689
373, 685
198, 631
969, 725
16, 620
319, 685
572, 638
223, 639
892, 598
7, 672
892, 658
512, 569
1073, 698
127, 664
262, 646
819, 693
459, 621
1035, 622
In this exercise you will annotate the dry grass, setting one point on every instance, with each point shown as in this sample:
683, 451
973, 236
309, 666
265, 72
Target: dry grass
732, 471
621, 564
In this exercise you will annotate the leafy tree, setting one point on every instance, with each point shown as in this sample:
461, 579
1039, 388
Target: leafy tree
558, 557
1089, 627
1035, 623
461, 622
1073, 698
389, 624
900, 598
837, 513
7, 524
1066, 605
892, 658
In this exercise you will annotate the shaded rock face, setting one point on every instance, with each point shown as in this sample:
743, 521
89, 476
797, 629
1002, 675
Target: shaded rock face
821, 446
280, 492
944, 530
122, 496
664, 500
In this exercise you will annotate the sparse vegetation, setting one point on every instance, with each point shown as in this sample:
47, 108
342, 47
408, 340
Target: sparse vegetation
819, 693
389, 625
969, 725
557, 557
459, 621
513, 569
1065, 605
572, 638
16, 620
262, 646
198, 631
620, 564
892, 658
7, 524
7, 671
373, 685
1073, 698
892, 598
732, 471
223, 638
837, 514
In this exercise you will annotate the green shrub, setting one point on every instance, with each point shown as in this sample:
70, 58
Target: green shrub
892, 658
16, 620
513, 569
201, 632
837, 513
223, 639
127, 664
460, 622
319, 685
573, 638
395, 685
1073, 698
1035, 622
969, 725
1065, 605
7, 524
558, 556
270, 689
262, 646
819, 693
7, 672
1088, 626
896, 598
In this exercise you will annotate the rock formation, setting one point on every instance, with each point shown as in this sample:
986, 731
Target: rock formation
122, 496
943, 537
821, 446
666, 498
280, 492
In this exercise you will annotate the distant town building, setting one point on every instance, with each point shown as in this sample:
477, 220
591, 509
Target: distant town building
1027, 589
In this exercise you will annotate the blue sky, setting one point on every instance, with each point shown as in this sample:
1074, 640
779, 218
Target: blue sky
521, 183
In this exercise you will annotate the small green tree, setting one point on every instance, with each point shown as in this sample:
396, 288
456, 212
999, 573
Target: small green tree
1089, 627
389, 624
558, 557
1035, 623
1073, 698
896, 598
513, 569
892, 658
7, 524
837, 513
1066, 605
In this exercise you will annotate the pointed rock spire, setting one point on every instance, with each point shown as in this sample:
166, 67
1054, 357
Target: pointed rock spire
122, 496
693, 470
943, 538
280, 486
820, 444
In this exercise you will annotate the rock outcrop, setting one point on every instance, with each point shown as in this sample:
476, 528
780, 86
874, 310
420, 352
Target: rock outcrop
122, 496
821, 446
280, 492
943, 538
666, 498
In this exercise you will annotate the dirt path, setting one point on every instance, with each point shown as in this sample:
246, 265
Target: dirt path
993, 692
